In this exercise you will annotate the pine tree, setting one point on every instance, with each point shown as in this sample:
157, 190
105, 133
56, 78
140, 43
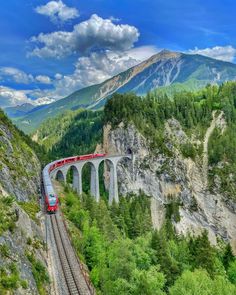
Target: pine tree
228, 256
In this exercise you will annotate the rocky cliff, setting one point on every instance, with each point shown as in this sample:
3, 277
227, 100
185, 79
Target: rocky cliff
22, 249
19, 166
174, 178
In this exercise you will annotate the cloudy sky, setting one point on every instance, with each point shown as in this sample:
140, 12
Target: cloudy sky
52, 48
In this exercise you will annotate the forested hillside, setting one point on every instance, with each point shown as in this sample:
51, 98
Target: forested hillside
72, 133
194, 112
125, 256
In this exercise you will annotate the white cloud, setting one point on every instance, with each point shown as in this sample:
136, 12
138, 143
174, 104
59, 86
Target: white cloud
57, 11
143, 52
225, 53
20, 77
11, 97
43, 100
114, 19
16, 75
89, 70
95, 33
43, 79
58, 76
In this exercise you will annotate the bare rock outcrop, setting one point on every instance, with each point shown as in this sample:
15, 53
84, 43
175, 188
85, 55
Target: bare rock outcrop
160, 175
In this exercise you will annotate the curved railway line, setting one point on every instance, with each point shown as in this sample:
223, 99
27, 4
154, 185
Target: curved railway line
76, 281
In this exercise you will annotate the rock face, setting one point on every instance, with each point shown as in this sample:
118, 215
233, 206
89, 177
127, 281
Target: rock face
19, 166
19, 234
162, 176
26, 237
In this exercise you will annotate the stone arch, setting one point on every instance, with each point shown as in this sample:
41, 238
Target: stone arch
75, 181
94, 177
110, 175
60, 176
124, 171
108, 166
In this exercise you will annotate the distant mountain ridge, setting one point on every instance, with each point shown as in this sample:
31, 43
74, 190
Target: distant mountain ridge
19, 110
165, 70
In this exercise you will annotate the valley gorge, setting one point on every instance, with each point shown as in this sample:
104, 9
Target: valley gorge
176, 194
117, 147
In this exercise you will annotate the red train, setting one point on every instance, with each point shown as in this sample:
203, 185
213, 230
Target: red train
74, 159
51, 202
51, 199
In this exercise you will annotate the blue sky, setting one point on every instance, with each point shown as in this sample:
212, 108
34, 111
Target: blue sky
51, 48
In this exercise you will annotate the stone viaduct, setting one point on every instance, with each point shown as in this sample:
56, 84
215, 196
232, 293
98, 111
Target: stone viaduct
60, 174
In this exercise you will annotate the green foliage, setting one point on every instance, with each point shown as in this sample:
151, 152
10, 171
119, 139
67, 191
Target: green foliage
39, 150
132, 216
222, 151
16, 150
9, 278
39, 272
172, 209
200, 283
31, 208
114, 243
72, 133
188, 150
7, 215
125, 256
228, 256
4, 250
232, 272
203, 254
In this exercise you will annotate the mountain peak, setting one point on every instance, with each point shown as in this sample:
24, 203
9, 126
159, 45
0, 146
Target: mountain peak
169, 70
165, 51
164, 54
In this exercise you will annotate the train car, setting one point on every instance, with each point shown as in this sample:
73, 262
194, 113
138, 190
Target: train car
70, 160
59, 163
100, 155
51, 199
91, 156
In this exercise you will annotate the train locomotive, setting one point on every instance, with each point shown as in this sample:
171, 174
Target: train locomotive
50, 197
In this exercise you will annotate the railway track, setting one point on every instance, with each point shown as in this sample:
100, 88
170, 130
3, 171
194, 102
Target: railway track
75, 280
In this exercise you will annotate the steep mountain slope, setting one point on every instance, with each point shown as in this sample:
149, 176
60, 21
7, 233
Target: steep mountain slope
163, 70
184, 156
19, 166
22, 251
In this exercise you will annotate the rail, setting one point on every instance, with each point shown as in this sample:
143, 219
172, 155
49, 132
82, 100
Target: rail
74, 276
